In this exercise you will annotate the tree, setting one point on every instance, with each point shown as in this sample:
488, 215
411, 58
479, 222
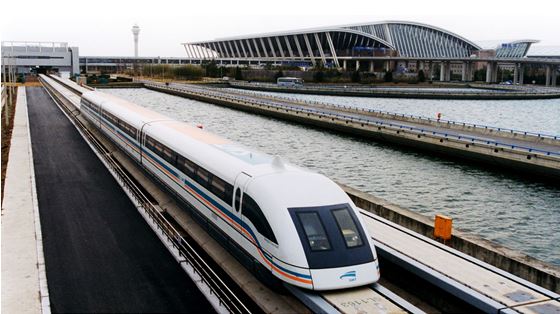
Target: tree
356, 78
212, 69
278, 74
238, 74
319, 65
319, 76
421, 76
388, 76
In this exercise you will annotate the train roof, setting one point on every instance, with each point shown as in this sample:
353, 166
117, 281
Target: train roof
209, 150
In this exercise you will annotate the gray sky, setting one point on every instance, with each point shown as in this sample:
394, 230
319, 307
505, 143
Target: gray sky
103, 27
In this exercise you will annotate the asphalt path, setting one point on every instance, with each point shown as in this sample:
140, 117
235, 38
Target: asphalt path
101, 256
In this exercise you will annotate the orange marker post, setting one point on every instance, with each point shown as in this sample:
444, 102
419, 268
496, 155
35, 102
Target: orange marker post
442, 227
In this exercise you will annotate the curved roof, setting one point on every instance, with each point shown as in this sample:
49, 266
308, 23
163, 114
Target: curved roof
414, 39
407, 38
307, 31
421, 25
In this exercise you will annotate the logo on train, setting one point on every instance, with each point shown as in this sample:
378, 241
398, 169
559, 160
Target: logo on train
350, 275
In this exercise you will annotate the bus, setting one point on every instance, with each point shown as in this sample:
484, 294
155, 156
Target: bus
289, 81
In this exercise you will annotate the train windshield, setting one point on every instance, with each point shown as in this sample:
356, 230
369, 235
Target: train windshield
331, 235
347, 227
314, 231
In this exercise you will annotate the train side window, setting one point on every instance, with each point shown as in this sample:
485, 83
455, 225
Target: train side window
180, 163
237, 199
169, 155
253, 212
314, 231
347, 227
113, 119
202, 177
150, 143
218, 187
158, 149
228, 194
191, 168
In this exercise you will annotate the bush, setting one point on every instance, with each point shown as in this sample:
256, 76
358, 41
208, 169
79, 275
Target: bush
356, 78
388, 76
319, 76
278, 74
188, 72
421, 76
211, 69
238, 74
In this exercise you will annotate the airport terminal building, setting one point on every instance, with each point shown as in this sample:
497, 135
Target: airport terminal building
335, 45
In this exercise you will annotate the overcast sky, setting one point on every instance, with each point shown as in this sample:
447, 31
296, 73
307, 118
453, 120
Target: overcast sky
103, 28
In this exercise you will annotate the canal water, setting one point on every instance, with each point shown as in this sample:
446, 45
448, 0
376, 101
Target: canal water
521, 214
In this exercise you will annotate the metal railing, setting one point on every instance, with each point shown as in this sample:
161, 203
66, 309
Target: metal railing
209, 93
422, 119
393, 90
217, 286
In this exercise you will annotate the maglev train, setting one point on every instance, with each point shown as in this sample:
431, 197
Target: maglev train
299, 225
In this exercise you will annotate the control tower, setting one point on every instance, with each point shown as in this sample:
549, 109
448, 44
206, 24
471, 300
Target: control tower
135, 32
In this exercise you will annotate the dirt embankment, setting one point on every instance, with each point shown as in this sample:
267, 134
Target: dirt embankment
7, 126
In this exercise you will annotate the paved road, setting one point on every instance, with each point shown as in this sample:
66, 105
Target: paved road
101, 256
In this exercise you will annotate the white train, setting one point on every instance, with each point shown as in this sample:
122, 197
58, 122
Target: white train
298, 225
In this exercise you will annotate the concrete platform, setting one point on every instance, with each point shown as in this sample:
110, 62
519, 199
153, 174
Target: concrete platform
100, 254
23, 269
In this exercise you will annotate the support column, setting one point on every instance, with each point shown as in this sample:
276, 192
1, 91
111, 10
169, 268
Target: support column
464, 71
333, 51
547, 77
318, 42
431, 68
489, 71
309, 50
515, 73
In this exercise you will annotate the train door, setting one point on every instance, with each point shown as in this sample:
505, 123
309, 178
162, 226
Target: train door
141, 142
241, 182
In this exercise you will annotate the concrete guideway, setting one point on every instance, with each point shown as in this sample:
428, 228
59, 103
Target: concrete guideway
540, 160
531, 140
479, 284
100, 254
494, 93
485, 132
24, 284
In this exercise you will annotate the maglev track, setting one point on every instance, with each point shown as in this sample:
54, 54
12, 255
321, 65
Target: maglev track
405, 261
372, 299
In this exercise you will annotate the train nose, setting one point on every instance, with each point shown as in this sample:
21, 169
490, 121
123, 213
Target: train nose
345, 277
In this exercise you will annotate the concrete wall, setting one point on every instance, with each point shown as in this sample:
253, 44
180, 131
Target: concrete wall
524, 266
